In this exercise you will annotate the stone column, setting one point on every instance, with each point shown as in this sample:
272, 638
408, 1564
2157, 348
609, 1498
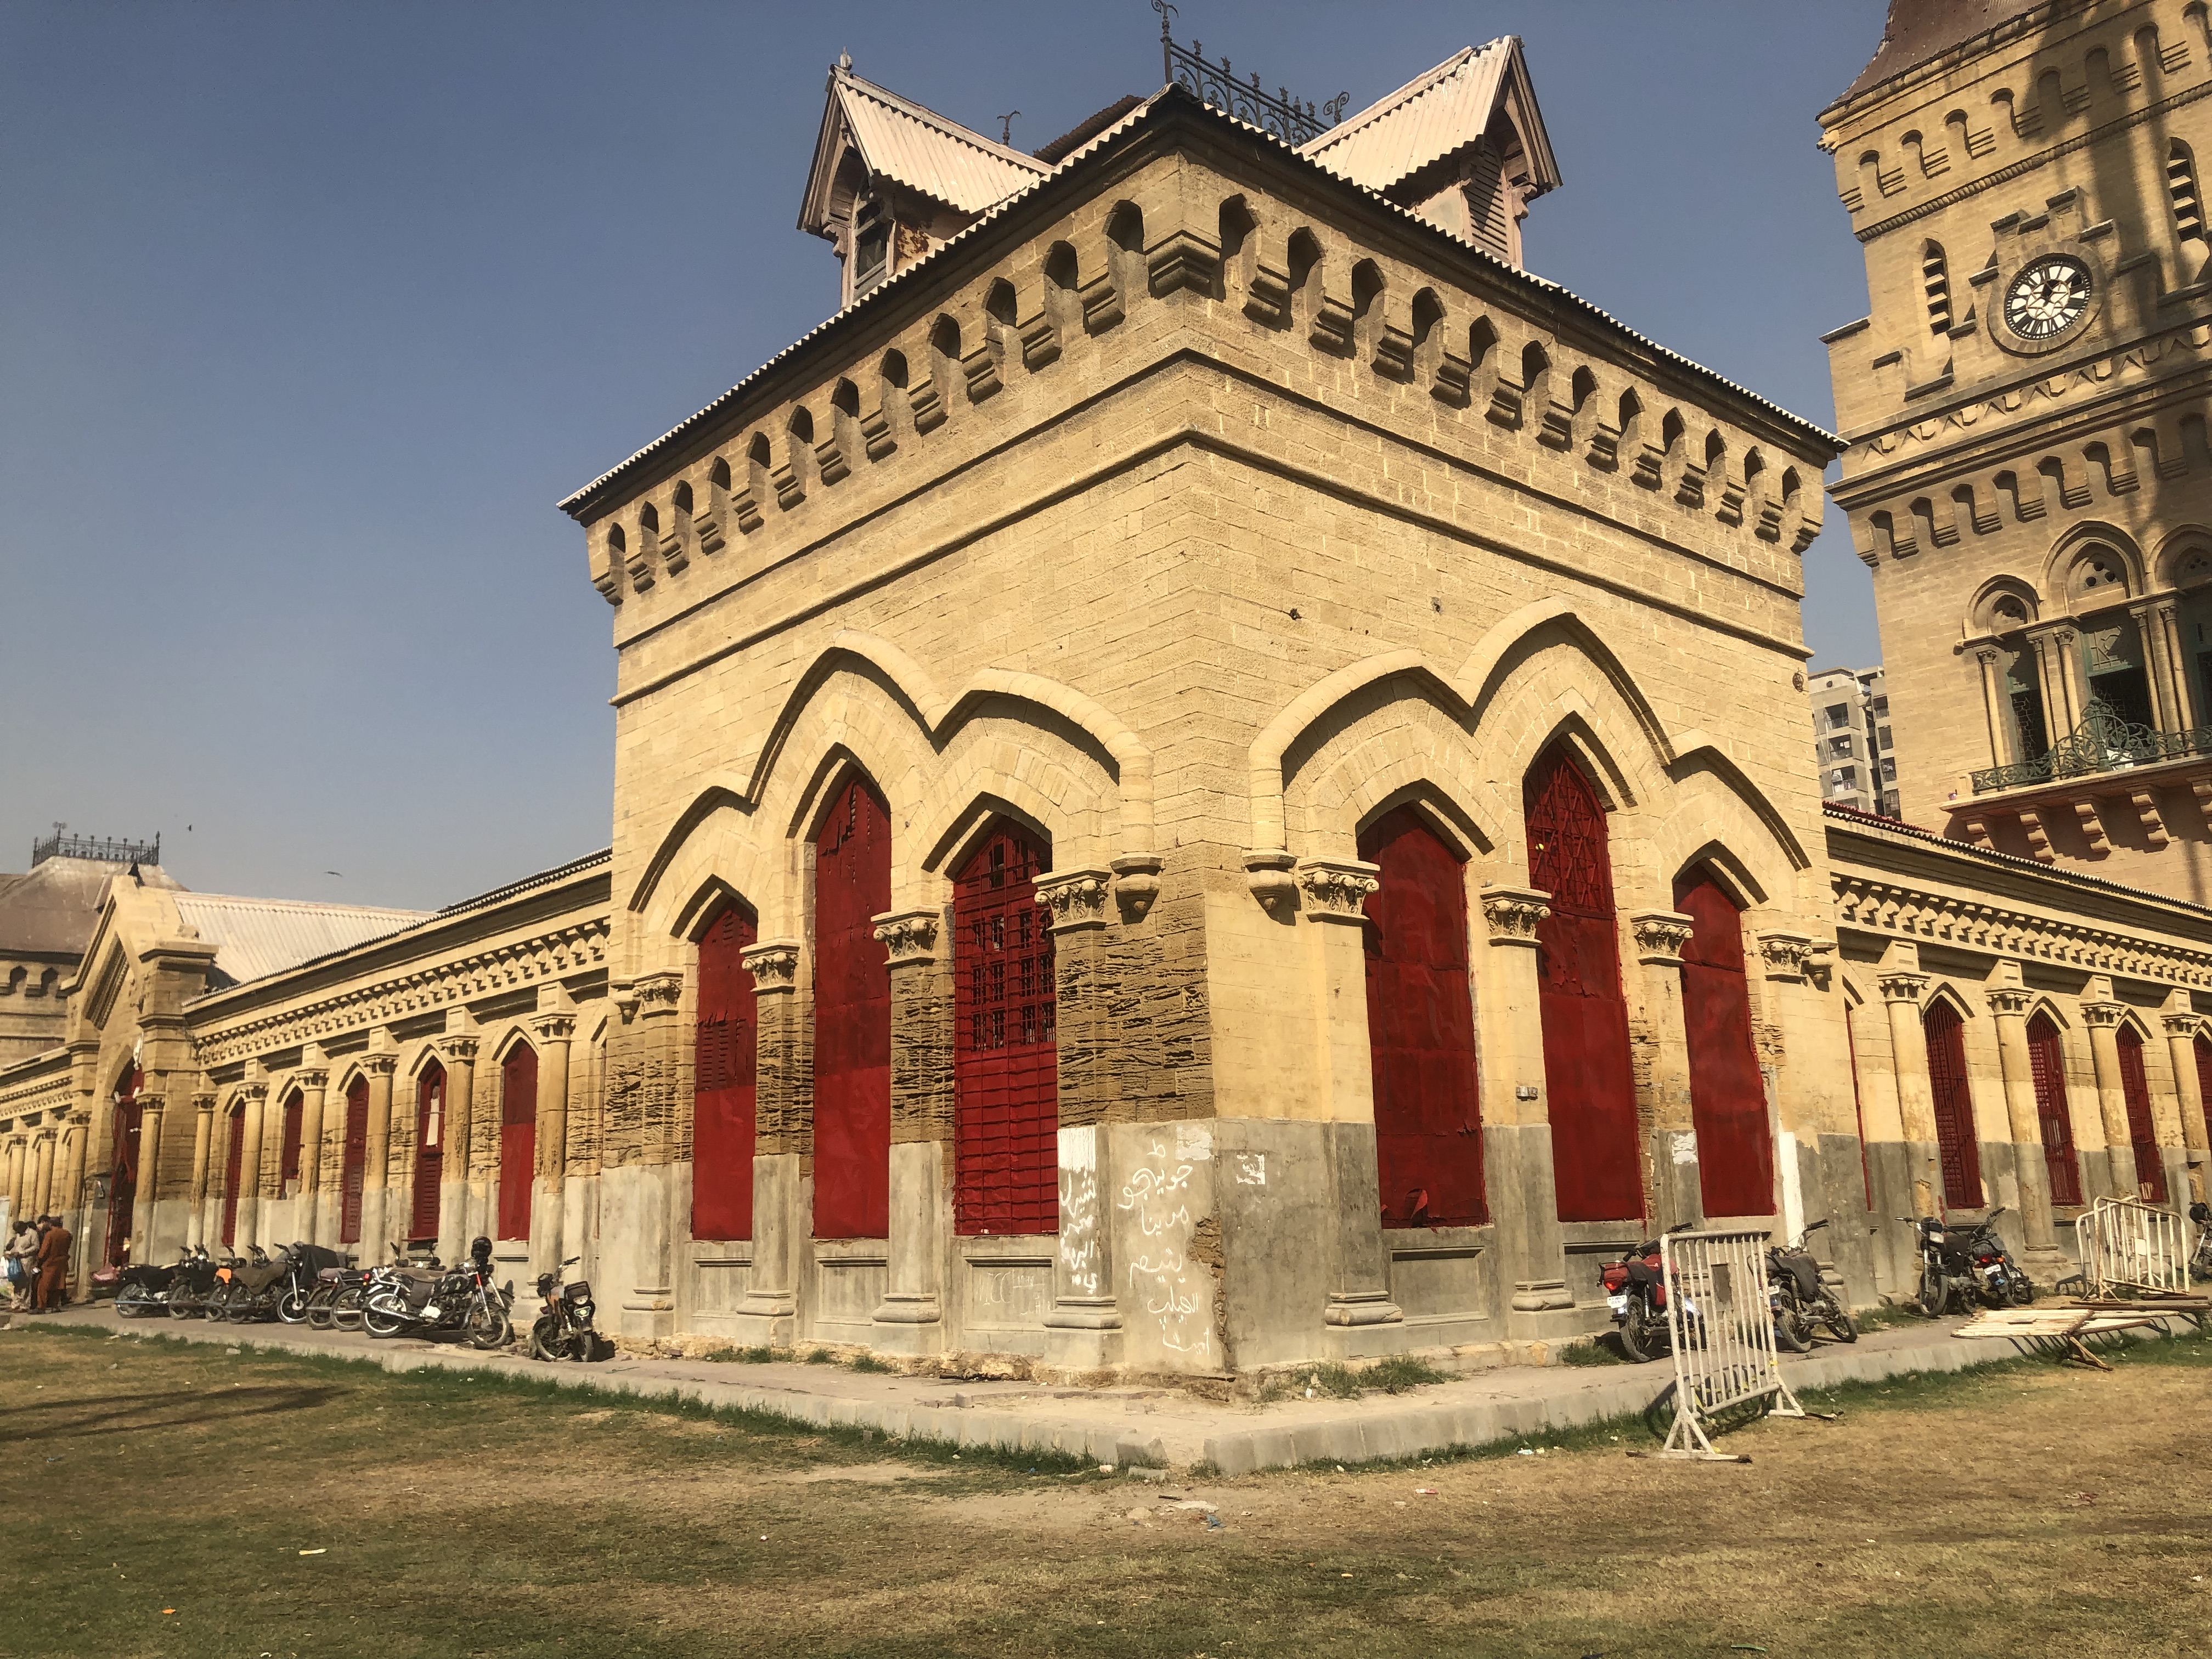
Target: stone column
550, 1191
196, 1227
781, 1069
2188, 697
641, 1196
255, 1097
11, 1180
378, 1067
2102, 1015
312, 1079
145, 1221
42, 1183
2059, 663
2168, 710
1914, 1176
1672, 1191
1987, 659
459, 1053
2182, 1025
2030, 1175
1083, 1330
1334, 894
69, 1194
1517, 1133
909, 1319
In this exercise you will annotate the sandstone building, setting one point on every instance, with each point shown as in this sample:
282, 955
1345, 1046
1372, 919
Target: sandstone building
1210, 775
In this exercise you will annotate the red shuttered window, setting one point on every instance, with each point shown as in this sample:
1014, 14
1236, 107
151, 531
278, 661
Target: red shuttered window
429, 1151
1956, 1148
234, 1171
288, 1169
2046, 1061
2202, 1048
356, 1162
518, 1138
852, 1019
1587, 1071
1420, 1030
1728, 1096
1006, 1054
724, 1093
2150, 1167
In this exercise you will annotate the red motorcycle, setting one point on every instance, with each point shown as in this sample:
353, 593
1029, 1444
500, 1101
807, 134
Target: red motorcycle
1636, 1291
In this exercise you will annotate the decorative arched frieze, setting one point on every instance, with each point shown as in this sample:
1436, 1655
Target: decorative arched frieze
2081, 543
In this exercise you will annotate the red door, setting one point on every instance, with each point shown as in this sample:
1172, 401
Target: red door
288, 1173
429, 1151
1586, 1061
234, 1168
1006, 1056
1420, 1030
123, 1175
356, 1161
1728, 1096
518, 1138
852, 1019
2047, 1063
723, 1077
2204, 1051
1957, 1151
2150, 1168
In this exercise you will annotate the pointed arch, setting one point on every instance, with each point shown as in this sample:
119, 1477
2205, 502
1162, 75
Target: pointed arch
1499, 648
1728, 871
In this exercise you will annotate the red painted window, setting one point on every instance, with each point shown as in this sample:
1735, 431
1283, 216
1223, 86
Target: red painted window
1728, 1096
1420, 1030
233, 1169
2150, 1167
357, 1162
2046, 1061
518, 1138
852, 1019
430, 1149
288, 1164
1956, 1148
723, 1077
1005, 1067
123, 1176
2204, 1051
1586, 1065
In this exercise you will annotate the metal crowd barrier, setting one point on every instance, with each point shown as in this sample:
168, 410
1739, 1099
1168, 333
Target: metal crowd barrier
1722, 1326
2131, 1249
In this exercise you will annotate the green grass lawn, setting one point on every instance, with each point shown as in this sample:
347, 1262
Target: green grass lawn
164, 1493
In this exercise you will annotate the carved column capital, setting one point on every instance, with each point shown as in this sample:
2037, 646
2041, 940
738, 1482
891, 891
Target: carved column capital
2008, 1000
2184, 1025
259, 1090
658, 994
1268, 874
1787, 955
909, 937
375, 1065
774, 964
553, 1028
1076, 898
314, 1078
204, 1103
1337, 890
1512, 913
2102, 1015
1660, 936
461, 1050
1902, 988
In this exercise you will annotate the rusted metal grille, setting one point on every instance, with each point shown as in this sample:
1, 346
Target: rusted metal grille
723, 1081
234, 1168
429, 1151
518, 1138
2046, 1062
357, 1163
1956, 1150
1006, 1056
2150, 1167
852, 1019
1728, 1094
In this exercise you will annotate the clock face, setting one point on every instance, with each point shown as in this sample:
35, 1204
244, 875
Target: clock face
2048, 298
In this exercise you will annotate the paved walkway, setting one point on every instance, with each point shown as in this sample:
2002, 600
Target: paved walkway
1161, 1428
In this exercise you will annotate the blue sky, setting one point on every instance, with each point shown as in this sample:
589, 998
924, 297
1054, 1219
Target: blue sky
309, 314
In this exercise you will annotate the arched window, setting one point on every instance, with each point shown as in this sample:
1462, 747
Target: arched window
852, 1017
2203, 1050
1957, 1151
234, 1171
518, 1140
1587, 1071
724, 1097
1936, 280
1006, 1069
288, 1166
2046, 1062
356, 1168
429, 1151
1727, 1097
2135, 1086
1420, 1030
2181, 190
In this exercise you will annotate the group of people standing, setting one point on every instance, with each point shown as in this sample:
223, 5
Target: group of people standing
38, 1255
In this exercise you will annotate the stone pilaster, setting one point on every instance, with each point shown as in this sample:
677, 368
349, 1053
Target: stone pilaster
146, 1229
196, 1226
2030, 1175
377, 1065
782, 1072
1672, 1189
1915, 1164
255, 1095
636, 1198
1083, 1330
456, 1225
2102, 1015
554, 1031
909, 1319
2183, 1027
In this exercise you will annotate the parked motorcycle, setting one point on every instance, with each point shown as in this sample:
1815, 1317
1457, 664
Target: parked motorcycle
1998, 1280
255, 1287
1947, 1271
1636, 1291
194, 1283
2200, 1258
143, 1292
429, 1302
1802, 1299
304, 1267
563, 1329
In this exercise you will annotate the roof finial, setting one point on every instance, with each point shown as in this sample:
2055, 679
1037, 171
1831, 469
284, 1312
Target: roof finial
844, 60
1006, 126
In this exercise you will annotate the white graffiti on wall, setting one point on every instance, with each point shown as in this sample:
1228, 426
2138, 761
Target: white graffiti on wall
1080, 1255
1157, 1195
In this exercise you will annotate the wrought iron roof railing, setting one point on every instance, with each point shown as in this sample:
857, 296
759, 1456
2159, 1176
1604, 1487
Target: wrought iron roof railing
2104, 742
1282, 115
61, 846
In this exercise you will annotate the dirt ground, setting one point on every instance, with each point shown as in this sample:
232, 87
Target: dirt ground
186, 1501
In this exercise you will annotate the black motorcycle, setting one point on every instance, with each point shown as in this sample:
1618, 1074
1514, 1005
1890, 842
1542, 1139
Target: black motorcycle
1802, 1299
305, 1267
2200, 1258
143, 1292
192, 1283
563, 1330
1966, 1268
1998, 1280
433, 1302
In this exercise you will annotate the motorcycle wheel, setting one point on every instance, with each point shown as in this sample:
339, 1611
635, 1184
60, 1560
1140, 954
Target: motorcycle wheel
489, 1329
381, 1321
240, 1310
317, 1313
135, 1302
1837, 1318
1935, 1292
183, 1305
217, 1302
292, 1307
2019, 1288
539, 1350
345, 1308
1644, 1333
1793, 1330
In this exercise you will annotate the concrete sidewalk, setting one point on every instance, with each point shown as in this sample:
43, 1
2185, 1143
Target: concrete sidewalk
1154, 1427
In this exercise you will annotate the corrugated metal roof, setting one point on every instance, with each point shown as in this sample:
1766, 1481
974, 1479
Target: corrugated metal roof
1431, 116
1134, 118
256, 937
903, 141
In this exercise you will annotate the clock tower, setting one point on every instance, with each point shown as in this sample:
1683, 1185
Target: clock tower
2027, 472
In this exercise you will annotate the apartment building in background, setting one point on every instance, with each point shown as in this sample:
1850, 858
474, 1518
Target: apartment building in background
1850, 736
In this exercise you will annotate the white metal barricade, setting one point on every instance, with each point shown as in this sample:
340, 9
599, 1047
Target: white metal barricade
1722, 1326
2131, 1249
